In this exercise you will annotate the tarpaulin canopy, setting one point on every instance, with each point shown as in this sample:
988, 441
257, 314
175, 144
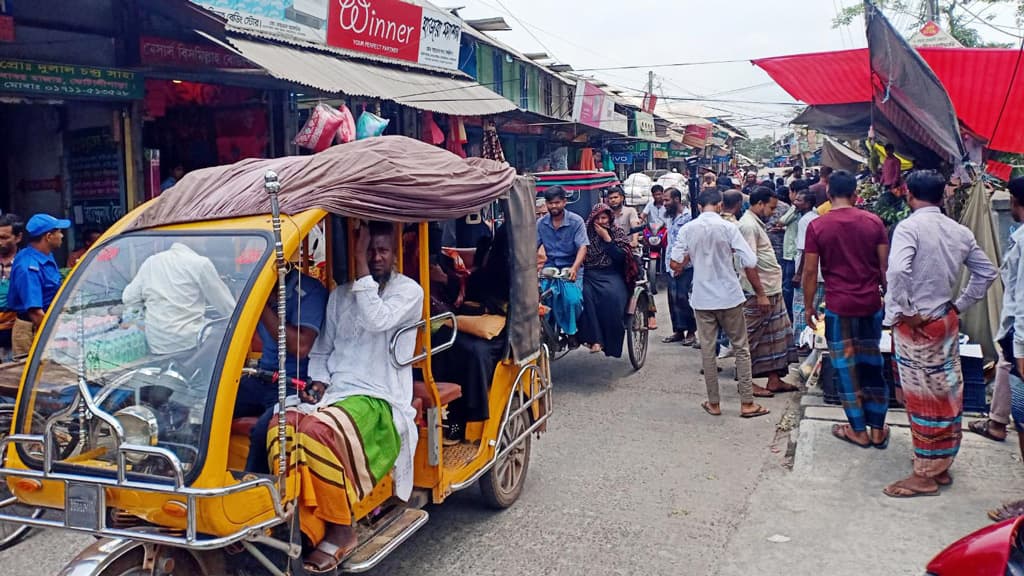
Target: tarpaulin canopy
390, 178
836, 155
978, 81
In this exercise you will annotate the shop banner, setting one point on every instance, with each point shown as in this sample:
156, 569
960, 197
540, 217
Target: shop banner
643, 125
96, 177
592, 107
304, 20
397, 30
61, 80
167, 52
622, 157
696, 136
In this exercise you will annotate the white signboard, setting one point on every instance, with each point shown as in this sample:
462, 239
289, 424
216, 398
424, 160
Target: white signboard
304, 20
931, 36
440, 36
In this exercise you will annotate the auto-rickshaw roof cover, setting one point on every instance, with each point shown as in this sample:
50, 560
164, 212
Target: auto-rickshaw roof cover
383, 178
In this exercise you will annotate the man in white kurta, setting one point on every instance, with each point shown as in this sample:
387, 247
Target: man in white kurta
356, 422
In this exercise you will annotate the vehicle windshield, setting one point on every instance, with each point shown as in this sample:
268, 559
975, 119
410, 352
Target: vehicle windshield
142, 322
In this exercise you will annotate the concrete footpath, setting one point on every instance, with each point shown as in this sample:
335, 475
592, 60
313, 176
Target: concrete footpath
828, 514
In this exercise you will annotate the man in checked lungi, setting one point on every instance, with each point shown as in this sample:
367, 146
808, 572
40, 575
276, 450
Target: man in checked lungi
852, 247
769, 332
928, 252
355, 422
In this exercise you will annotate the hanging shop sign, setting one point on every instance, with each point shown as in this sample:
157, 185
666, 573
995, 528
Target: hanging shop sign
96, 177
696, 136
643, 125
66, 80
592, 107
397, 30
661, 151
678, 154
304, 20
622, 157
168, 52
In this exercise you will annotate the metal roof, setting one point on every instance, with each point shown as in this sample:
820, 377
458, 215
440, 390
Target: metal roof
337, 75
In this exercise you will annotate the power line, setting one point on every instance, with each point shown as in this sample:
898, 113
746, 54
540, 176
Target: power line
675, 65
991, 25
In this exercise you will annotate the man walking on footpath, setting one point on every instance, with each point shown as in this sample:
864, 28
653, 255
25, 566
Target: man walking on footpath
852, 247
928, 252
709, 243
769, 333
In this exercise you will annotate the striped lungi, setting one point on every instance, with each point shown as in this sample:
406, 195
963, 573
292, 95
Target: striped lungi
853, 350
770, 337
343, 451
929, 365
800, 311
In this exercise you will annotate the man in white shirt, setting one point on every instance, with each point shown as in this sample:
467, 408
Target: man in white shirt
356, 422
709, 243
654, 211
174, 288
804, 202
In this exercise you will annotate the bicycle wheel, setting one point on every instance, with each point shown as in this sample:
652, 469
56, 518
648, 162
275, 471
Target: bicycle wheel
11, 533
637, 333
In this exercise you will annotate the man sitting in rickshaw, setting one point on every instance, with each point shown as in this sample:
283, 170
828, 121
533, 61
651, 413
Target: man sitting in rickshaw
305, 301
563, 237
356, 421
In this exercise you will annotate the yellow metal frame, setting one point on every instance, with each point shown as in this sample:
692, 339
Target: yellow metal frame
227, 514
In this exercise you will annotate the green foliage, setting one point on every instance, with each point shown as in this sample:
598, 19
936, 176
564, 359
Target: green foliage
952, 17
756, 148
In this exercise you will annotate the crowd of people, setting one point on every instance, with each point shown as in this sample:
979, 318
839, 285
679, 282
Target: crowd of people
752, 265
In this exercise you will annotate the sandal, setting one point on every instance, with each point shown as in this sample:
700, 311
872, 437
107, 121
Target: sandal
885, 443
676, 337
759, 411
1007, 511
707, 408
765, 394
981, 427
335, 552
841, 431
787, 387
891, 491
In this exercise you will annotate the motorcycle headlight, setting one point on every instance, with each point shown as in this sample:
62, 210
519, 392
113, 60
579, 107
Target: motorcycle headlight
140, 428
654, 240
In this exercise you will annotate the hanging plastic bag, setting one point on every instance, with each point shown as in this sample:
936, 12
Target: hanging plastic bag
430, 132
370, 125
319, 131
347, 129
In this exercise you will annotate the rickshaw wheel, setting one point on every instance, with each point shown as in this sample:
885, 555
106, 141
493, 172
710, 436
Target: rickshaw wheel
637, 334
10, 533
503, 483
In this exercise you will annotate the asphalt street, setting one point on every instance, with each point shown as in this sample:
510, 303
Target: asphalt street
632, 477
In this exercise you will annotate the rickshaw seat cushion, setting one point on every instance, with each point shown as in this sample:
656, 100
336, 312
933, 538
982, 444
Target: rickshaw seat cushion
243, 426
448, 392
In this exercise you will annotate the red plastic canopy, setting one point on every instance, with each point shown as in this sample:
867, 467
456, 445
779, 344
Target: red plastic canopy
977, 80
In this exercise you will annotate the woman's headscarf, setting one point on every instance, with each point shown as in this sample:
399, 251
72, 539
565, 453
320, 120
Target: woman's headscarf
597, 252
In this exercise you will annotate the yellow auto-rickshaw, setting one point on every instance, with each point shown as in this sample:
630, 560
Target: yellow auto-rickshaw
136, 444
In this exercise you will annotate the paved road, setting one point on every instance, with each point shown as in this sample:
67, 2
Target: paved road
631, 478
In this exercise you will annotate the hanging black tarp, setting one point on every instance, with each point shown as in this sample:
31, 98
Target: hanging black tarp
906, 91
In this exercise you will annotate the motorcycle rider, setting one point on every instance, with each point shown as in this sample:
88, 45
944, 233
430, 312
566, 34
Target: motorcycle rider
654, 211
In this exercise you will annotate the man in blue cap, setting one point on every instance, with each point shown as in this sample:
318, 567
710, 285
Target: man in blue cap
35, 277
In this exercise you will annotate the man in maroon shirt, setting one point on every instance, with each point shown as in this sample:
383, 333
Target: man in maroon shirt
852, 247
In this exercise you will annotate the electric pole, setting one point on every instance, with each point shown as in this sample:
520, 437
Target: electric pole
932, 8
650, 94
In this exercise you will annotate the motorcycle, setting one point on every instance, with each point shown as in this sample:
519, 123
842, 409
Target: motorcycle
654, 245
996, 550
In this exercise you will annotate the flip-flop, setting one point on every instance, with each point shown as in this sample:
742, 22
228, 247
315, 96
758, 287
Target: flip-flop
707, 408
842, 435
766, 394
912, 493
1007, 511
761, 411
785, 389
673, 338
884, 443
981, 427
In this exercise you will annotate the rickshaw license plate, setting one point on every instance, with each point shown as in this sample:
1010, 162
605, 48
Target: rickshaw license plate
84, 506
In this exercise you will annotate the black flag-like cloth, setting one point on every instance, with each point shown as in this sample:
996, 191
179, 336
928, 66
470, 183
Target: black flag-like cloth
907, 92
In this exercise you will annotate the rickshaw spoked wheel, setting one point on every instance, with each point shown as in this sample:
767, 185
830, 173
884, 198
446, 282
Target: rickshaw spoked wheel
169, 561
10, 533
637, 333
503, 483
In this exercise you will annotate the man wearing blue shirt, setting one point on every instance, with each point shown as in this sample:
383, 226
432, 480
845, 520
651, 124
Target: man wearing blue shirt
563, 235
305, 304
35, 277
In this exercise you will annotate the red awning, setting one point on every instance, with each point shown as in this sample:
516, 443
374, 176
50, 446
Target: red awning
977, 80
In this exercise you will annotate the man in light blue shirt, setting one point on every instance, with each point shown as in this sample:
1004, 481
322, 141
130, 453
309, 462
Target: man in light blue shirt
709, 242
684, 324
563, 236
